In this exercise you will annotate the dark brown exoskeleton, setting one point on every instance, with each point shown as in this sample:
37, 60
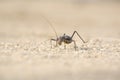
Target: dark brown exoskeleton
67, 40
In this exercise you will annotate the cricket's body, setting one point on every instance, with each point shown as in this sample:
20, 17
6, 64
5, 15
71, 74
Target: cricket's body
65, 38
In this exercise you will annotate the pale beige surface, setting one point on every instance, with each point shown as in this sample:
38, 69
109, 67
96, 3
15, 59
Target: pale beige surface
25, 52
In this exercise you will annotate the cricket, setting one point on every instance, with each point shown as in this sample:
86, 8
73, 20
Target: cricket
66, 39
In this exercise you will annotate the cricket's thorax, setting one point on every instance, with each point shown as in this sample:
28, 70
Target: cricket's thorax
66, 39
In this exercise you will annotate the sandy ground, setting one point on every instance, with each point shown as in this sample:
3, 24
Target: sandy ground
25, 52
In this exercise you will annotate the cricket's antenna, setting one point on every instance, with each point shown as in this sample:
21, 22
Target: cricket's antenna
50, 25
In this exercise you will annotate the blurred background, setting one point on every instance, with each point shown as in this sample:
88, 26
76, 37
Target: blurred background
27, 18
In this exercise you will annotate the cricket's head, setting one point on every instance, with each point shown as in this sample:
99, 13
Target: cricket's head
60, 39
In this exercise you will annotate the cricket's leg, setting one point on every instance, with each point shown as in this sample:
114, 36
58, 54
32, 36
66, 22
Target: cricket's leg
51, 41
78, 36
75, 46
64, 45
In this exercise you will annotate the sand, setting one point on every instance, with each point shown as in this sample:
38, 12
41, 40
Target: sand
26, 53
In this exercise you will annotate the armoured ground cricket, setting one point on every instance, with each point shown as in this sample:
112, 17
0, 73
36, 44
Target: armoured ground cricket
64, 38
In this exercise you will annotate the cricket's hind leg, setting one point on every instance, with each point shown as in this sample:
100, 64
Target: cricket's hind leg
78, 36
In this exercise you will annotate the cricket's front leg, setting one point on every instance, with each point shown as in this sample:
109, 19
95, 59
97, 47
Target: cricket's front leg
53, 40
